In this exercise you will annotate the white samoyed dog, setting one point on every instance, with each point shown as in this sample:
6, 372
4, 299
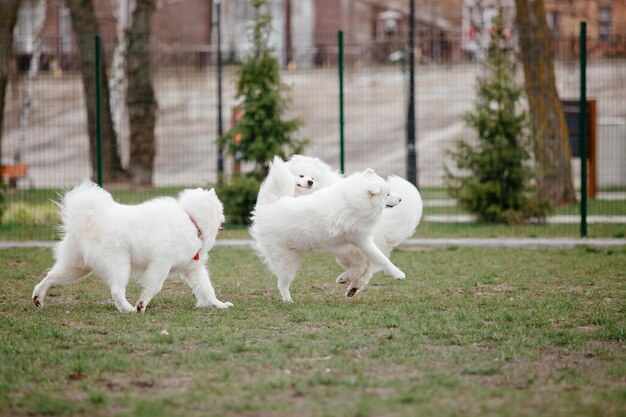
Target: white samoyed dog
396, 224
341, 214
156, 239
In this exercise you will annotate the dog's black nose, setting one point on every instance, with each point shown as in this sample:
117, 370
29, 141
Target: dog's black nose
310, 182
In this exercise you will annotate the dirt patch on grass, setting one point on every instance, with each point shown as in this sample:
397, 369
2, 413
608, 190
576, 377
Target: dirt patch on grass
565, 369
588, 327
162, 385
439, 348
480, 289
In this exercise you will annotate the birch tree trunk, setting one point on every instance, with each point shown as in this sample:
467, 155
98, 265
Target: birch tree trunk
86, 27
33, 70
552, 152
122, 11
481, 37
8, 17
141, 100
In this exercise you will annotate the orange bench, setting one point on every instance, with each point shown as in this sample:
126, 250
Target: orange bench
12, 173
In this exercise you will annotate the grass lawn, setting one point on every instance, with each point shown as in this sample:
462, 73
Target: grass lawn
470, 332
37, 218
22, 232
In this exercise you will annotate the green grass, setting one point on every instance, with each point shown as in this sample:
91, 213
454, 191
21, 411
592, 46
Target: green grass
485, 230
472, 332
123, 195
426, 230
597, 207
21, 232
594, 207
18, 228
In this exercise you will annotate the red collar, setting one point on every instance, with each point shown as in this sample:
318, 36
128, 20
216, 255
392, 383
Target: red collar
197, 227
197, 256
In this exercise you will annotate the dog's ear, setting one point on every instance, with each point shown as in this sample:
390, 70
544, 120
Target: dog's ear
369, 171
374, 189
277, 160
212, 191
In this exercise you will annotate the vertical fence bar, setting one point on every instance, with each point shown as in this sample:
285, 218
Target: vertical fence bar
411, 152
98, 112
341, 136
583, 129
220, 128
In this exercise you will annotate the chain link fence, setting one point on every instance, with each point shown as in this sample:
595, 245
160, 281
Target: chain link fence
45, 129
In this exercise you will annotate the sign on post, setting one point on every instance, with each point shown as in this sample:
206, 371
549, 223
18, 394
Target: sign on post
571, 109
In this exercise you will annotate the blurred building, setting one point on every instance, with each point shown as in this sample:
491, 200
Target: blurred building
305, 31
606, 25
183, 23
477, 22
377, 30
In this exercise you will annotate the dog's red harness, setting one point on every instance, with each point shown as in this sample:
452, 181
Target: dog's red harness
197, 256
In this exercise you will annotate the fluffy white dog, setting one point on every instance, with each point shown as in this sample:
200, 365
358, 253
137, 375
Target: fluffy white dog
341, 214
156, 239
396, 225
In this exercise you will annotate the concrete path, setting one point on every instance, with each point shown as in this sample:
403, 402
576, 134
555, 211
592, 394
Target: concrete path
417, 243
558, 219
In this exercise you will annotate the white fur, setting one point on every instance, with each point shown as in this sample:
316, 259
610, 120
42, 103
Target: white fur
279, 182
341, 214
155, 239
396, 225
319, 171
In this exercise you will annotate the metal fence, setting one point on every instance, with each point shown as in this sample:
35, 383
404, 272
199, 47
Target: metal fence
54, 144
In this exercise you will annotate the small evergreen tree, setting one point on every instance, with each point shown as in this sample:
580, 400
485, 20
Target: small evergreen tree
261, 133
496, 179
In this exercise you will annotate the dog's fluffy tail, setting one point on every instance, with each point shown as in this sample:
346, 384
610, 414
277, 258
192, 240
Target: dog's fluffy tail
78, 204
279, 182
399, 223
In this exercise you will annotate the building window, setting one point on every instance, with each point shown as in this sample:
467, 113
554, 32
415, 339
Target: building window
244, 10
23, 32
552, 16
604, 23
65, 30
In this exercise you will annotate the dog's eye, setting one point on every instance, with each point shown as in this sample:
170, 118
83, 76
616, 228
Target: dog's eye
301, 176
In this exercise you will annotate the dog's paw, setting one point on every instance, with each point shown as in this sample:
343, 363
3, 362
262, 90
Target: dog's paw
140, 306
36, 302
127, 309
341, 279
351, 291
222, 305
398, 275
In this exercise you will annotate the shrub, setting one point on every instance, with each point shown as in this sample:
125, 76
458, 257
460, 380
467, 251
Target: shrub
495, 182
239, 198
262, 133
31, 214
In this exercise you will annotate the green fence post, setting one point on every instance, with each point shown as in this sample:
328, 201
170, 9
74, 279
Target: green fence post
583, 129
411, 150
98, 113
341, 137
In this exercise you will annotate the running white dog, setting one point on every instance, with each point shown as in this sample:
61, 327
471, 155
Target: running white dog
341, 214
396, 224
158, 238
